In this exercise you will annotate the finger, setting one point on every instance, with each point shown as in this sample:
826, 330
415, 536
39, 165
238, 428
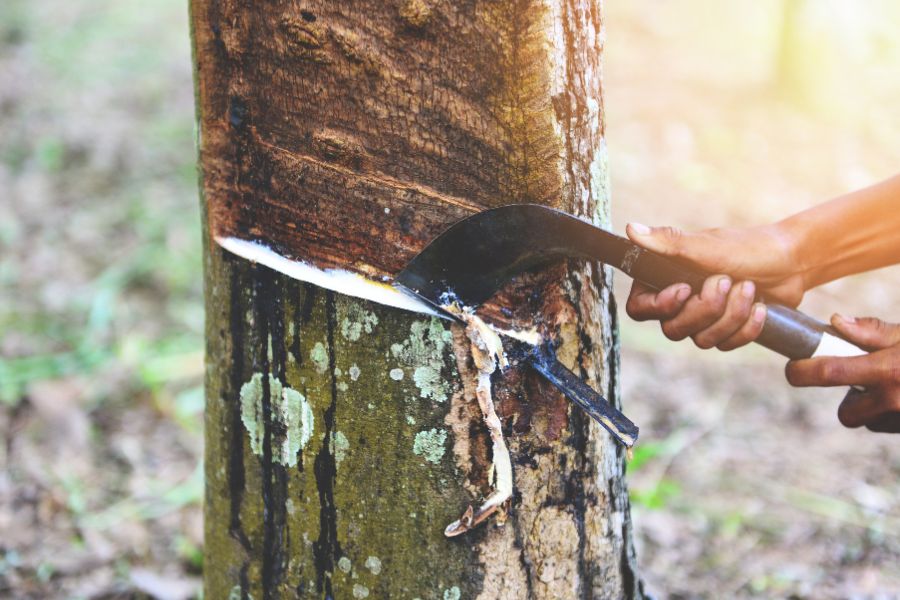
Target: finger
664, 240
700, 311
789, 291
750, 330
888, 423
737, 313
877, 409
867, 332
858, 408
830, 371
701, 248
645, 303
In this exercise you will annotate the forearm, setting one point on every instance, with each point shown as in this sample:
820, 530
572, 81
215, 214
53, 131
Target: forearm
853, 233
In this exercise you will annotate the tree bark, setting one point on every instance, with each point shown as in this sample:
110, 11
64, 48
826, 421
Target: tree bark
342, 435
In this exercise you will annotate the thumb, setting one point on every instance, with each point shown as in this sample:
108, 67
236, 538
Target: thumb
708, 252
868, 332
669, 241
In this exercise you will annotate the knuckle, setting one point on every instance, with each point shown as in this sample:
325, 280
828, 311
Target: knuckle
673, 236
712, 300
715, 317
747, 333
734, 321
891, 372
741, 308
893, 401
826, 371
672, 331
706, 312
714, 307
882, 332
735, 341
704, 342
671, 232
870, 323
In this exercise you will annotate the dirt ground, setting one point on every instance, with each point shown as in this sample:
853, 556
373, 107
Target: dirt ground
742, 486
750, 488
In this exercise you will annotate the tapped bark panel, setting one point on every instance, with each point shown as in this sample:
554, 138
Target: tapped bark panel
321, 115
329, 466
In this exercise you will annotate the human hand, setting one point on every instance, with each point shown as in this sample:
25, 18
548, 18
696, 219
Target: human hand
878, 407
762, 260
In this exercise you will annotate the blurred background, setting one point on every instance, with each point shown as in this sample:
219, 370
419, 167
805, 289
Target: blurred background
739, 113
717, 114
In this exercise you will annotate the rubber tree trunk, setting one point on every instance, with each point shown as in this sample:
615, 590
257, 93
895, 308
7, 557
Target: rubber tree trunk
343, 435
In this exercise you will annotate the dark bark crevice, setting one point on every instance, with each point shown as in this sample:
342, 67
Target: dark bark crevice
326, 548
236, 479
267, 301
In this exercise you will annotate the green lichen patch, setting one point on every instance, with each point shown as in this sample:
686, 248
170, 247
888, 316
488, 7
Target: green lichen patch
354, 372
319, 356
429, 444
600, 183
396, 374
360, 591
291, 413
344, 564
339, 446
428, 380
423, 351
357, 321
373, 564
452, 593
296, 414
252, 410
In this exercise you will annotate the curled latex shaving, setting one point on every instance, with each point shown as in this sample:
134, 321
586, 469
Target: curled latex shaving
487, 354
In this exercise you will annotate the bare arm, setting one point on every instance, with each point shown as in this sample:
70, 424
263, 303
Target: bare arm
851, 234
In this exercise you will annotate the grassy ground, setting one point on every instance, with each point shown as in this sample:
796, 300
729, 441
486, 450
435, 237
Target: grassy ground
101, 314
742, 486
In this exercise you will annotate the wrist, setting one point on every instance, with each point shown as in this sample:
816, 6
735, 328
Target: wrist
791, 238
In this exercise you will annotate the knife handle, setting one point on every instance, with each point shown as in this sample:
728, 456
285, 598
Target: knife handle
788, 332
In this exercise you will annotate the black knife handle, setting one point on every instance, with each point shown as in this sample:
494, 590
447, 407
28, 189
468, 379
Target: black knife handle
788, 332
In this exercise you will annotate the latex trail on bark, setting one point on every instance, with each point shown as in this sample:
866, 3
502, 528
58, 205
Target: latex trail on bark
337, 280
